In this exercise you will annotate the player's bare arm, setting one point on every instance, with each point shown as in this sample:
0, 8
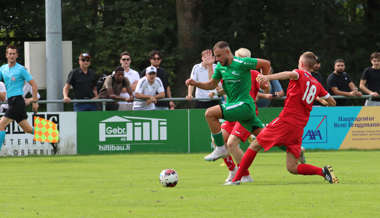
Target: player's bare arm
278, 76
35, 95
209, 85
264, 65
219, 92
209, 61
330, 101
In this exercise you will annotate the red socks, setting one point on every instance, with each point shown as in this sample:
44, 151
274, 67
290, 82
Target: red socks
229, 162
307, 169
245, 163
246, 173
231, 165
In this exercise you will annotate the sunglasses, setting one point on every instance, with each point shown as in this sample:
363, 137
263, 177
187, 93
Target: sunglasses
126, 59
84, 60
156, 59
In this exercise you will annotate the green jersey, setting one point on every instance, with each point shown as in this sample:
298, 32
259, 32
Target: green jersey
236, 78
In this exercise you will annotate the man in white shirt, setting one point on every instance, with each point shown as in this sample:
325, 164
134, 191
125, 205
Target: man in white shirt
146, 88
27, 89
132, 75
200, 74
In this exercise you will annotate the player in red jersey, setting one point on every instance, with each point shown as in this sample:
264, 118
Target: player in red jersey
234, 132
287, 129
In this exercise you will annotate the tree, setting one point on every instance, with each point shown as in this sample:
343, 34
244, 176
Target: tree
189, 36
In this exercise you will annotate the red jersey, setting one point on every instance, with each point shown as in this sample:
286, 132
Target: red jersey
255, 86
300, 97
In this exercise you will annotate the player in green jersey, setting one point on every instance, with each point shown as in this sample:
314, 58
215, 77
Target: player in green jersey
240, 106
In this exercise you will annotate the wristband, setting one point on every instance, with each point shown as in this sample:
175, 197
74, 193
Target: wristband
34, 101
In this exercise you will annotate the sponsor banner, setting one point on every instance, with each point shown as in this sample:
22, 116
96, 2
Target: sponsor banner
342, 128
132, 131
19, 143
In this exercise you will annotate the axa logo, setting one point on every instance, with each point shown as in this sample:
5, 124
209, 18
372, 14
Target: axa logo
133, 128
313, 135
315, 130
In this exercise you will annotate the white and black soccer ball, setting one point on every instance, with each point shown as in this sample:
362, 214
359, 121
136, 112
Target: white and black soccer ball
169, 178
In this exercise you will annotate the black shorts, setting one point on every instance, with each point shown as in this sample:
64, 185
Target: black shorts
16, 110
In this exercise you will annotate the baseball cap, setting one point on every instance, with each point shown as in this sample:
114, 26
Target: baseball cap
151, 69
84, 55
318, 60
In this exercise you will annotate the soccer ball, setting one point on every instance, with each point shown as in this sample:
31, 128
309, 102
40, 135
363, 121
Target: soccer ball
168, 178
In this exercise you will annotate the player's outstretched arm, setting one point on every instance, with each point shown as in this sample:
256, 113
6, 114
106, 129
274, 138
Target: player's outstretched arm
330, 101
264, 65
278, 76
209, 85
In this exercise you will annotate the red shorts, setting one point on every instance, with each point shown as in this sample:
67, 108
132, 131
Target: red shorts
279, 133
235, 128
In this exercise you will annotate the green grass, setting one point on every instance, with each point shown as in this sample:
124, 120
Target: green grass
128, 186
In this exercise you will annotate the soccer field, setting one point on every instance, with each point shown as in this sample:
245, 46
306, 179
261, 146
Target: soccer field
128, 186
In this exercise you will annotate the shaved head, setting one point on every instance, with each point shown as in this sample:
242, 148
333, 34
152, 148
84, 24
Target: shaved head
309, 59
221, 45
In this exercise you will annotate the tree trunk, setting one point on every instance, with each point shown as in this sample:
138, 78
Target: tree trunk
189, 18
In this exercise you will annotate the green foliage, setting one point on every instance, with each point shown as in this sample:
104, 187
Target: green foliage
21, 21
128, 186
116, 26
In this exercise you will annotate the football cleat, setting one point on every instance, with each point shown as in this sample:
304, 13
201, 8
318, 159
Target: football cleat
247, 178
232, 174
302, 159
233, 183
216, 154
328, 172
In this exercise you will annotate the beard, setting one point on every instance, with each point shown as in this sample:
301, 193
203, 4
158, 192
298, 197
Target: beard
340, 72
315, 69
224, 63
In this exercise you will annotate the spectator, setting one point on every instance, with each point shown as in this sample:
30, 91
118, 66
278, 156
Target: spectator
339, 83
84, 84
155, 61
3, 97
27, 88
147, 88
372, 75
112, 88
318, 76
132, 75
200, 74
275, 92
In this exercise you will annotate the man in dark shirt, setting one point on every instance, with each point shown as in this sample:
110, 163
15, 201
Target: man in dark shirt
372, 76
112, 87
339, 83
318, 76
84, 84
155, 61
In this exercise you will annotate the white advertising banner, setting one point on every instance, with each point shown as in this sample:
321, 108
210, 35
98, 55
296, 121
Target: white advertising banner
19, 143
